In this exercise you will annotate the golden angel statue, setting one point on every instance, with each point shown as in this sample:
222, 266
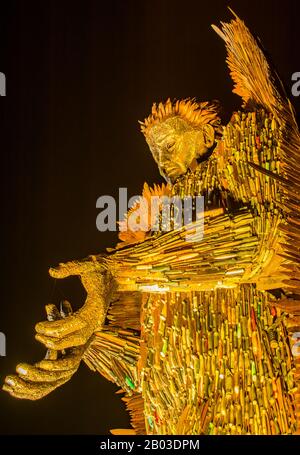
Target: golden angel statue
201, 337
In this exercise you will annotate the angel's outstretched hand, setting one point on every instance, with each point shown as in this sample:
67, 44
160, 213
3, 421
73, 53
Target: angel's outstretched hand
33, 382
77, 328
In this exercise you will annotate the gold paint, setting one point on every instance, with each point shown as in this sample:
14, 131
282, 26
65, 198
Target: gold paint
190, 330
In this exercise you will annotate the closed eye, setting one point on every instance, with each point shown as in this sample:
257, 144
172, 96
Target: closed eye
170, 145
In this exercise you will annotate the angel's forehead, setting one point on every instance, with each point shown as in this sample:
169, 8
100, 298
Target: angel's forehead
163, 130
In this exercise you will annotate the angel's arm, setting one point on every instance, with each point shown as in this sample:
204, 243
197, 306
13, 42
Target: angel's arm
223, 254
175, 260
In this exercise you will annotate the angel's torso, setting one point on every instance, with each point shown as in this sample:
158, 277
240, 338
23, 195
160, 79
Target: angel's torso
215, 354
218, 360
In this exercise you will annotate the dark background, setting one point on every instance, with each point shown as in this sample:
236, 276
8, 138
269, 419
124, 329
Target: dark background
79, 77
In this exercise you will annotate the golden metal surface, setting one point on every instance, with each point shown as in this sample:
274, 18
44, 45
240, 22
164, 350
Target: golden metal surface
198, 335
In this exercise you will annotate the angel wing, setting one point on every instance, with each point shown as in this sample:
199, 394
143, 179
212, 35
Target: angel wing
257, 83
255, 80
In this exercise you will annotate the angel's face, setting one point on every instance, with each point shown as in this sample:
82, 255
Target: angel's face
175, 145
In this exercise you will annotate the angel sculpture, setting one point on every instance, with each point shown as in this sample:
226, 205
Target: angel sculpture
199, 336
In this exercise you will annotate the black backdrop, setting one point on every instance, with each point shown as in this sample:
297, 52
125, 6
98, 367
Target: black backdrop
79, 76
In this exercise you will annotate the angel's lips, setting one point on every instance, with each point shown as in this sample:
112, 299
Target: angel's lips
174, 170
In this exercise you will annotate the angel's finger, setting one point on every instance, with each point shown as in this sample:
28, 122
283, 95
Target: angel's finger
65, 363
52, 312
66, 309
63, 270
13, 393
34, 374
60, 328
19, 388
76, 339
